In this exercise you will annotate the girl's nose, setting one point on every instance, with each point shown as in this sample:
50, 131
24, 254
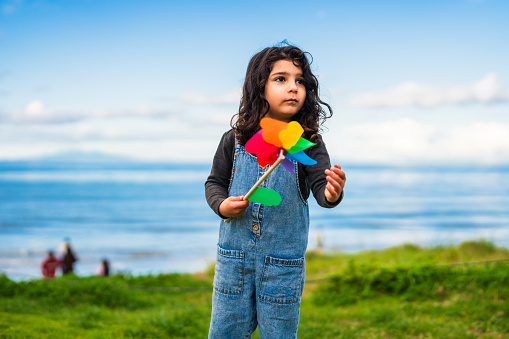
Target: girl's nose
292, 87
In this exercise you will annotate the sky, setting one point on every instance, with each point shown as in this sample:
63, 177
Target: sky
410, 82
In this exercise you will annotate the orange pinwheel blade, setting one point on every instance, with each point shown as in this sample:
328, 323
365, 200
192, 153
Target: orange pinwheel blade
271, 129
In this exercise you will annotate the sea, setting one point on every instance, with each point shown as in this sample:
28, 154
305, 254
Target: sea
148, 218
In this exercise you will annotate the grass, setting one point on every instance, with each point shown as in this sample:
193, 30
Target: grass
400, 292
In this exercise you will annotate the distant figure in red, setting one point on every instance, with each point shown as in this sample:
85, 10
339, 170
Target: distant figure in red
104, 268
50, 265
68, 260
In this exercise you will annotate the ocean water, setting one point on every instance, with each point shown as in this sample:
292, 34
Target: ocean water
149, 219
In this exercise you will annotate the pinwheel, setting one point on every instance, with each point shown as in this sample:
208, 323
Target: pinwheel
276, 143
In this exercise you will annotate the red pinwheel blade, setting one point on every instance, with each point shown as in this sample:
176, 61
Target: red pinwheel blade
258, 146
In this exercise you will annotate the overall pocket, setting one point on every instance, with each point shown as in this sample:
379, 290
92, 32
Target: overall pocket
282, 280
229, 271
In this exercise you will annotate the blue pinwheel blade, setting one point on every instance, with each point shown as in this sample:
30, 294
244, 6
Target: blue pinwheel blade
301, 157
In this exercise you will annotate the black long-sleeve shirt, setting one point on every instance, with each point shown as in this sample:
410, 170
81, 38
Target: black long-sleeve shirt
311, 177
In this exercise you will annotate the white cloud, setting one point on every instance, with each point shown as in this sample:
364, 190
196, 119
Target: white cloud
487, 90
140, 112
407, 141
229, 98
488, 141
36, 109
85, 132
384, 142
17, 150
398, 142
36, 112
174, 150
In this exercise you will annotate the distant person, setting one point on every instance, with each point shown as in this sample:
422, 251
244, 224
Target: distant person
68, 259
319, 243
103, 269
63, 245
50, 265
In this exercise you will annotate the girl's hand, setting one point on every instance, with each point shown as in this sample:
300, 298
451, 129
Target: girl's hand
233, 207
335, 182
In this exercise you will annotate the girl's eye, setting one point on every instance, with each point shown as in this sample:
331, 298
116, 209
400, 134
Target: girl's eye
300, 81
281, 79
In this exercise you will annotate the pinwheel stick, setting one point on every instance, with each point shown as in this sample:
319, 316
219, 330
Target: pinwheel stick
273, 167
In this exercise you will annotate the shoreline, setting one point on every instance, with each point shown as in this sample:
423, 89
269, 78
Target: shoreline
201, 264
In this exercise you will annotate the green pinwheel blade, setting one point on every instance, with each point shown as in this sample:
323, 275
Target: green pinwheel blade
301, 145
265, 196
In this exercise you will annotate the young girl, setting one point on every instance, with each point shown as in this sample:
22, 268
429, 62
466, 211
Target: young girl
259, 273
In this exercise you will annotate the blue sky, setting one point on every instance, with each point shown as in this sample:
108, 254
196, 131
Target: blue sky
410, 82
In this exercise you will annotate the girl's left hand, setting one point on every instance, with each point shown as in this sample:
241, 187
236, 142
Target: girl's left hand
335, 182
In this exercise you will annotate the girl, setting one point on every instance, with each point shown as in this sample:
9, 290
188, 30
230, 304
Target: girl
259, 273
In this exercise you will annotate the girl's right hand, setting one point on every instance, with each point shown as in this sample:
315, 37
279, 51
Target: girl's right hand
233, 207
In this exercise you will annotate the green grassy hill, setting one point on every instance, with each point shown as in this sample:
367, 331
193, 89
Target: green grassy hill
400, 292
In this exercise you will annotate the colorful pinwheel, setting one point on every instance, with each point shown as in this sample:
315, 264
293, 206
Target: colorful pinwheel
276, 143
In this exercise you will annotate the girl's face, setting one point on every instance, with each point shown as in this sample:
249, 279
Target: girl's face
285, 90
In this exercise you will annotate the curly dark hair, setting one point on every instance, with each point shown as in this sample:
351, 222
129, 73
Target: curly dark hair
254, 106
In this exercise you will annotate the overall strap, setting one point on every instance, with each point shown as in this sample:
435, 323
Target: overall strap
236, 149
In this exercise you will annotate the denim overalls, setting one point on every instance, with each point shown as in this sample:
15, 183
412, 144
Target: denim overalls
259, 274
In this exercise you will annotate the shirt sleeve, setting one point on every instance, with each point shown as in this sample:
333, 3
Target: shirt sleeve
216, 186
316, 177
